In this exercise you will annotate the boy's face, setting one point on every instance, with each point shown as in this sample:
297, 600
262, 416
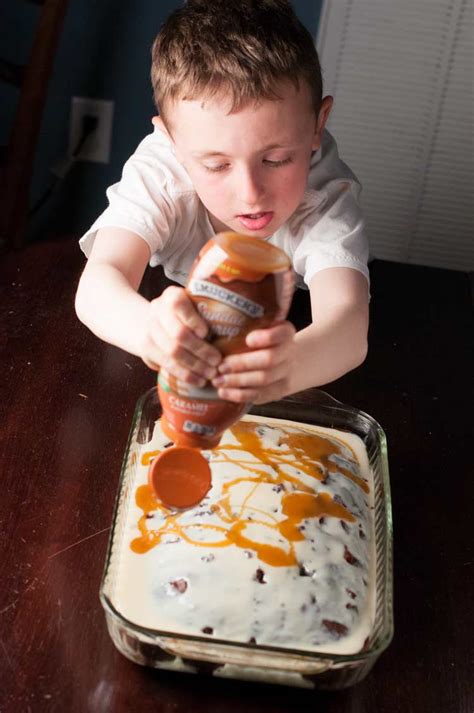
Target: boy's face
250, 167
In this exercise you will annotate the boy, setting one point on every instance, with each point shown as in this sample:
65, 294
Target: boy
239, 145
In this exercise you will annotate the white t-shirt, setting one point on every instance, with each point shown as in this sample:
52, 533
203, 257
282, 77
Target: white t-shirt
155, 199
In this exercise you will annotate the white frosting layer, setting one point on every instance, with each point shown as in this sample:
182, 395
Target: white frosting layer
322, 600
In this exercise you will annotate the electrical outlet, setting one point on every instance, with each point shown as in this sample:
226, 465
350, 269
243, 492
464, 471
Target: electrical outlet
97, 145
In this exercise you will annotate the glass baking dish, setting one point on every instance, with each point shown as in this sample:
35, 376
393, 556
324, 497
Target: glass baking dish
228, 659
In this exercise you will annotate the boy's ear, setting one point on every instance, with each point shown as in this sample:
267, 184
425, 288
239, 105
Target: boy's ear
160, 124
323, 116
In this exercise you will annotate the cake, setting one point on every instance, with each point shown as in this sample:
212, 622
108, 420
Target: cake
280, 552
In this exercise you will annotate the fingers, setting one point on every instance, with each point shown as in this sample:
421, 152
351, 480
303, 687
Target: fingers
175, 305
180, 364
186, 351
262, 374
270, 347
175, 339
273, 392
254, 379
279, 334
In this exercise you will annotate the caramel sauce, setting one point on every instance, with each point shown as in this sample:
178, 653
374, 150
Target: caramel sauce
270, 554
148, 457
300, 506
306, 451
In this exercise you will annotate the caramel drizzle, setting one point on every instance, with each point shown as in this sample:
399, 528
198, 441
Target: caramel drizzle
307, 452
148, 457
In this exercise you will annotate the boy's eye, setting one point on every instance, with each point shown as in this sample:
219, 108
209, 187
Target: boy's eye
274, 164
216, 169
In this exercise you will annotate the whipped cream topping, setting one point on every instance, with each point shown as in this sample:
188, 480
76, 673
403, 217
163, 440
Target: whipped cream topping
280, 551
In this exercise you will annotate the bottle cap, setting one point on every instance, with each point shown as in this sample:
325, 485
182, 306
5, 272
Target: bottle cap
180, 477
252, 253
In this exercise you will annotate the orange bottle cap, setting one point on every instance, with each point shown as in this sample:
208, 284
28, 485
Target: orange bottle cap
180, 477
252, 253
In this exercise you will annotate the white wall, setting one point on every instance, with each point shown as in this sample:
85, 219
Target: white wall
401, 73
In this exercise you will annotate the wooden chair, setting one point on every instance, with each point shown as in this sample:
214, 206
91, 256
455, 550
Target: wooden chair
19, 154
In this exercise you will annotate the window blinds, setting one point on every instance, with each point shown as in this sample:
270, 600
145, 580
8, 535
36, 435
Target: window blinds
401, 74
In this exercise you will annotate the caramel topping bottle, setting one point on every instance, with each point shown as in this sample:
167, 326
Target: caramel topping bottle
238, 284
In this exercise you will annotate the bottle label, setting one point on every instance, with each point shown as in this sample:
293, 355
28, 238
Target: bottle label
203, 288
237, 284
200, 428
171, 384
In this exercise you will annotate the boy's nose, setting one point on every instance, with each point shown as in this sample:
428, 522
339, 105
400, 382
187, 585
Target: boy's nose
250, 188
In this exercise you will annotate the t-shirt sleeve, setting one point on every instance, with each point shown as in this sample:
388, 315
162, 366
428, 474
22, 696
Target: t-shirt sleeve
141, 201
328, 228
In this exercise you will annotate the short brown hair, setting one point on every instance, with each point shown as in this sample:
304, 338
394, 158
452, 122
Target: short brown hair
241, 47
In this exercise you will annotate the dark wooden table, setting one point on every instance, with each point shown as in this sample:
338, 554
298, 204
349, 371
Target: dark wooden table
65, 411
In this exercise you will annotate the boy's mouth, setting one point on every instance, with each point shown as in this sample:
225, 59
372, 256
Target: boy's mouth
256, 221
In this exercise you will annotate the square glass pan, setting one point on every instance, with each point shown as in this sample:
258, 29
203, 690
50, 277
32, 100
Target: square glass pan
196, 654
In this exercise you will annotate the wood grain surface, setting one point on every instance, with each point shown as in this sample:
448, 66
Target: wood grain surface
66, 405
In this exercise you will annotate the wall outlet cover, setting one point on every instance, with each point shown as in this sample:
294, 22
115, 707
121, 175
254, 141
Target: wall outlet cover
97, 145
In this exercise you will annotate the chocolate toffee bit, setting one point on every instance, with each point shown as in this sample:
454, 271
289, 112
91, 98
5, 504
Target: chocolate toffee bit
312, 599
352, 594
252, 640
344, 526
168, 445
207, 630
335, 628
322, 520
260, 576
305, 572
248, 554
352, 606
349, 557
180, 585
208, 558
361, 534
149, 516
278, 488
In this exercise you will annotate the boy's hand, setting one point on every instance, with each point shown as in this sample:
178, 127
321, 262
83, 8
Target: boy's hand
174, 339
262, 374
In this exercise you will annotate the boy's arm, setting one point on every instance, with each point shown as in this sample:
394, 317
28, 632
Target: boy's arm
336, 341
107, 300
283, 363
164, 332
